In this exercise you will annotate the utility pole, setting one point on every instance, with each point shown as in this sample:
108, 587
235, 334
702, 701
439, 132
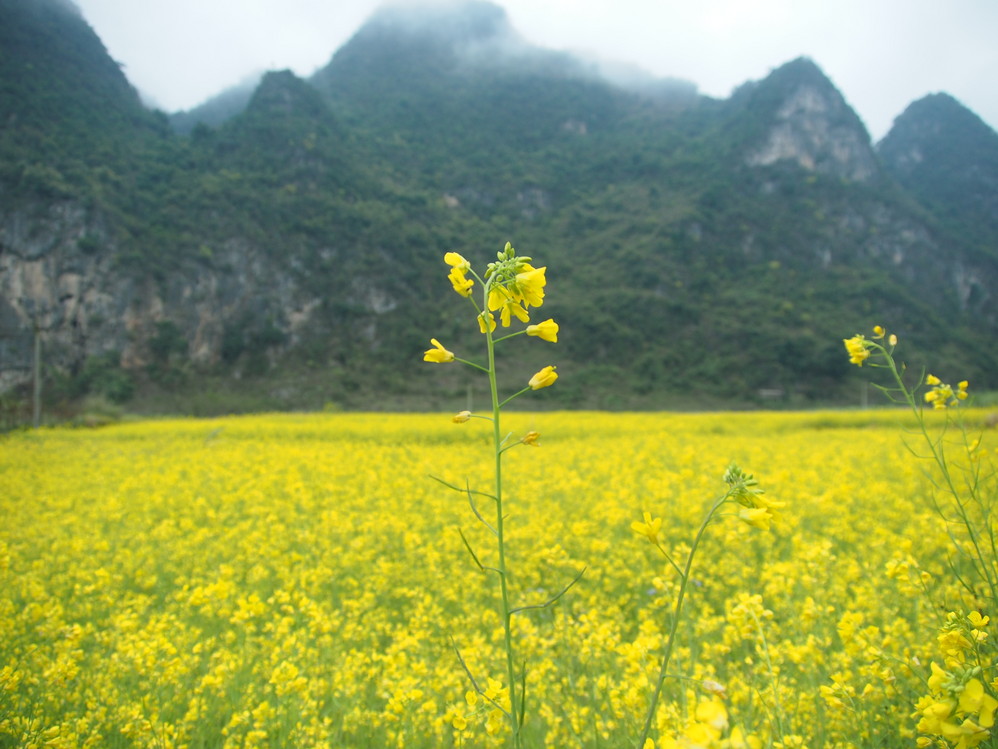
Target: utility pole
37, 376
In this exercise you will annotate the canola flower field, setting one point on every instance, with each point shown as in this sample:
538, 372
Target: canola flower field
300, 580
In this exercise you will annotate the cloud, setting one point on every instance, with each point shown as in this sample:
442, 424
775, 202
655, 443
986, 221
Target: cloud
881, 55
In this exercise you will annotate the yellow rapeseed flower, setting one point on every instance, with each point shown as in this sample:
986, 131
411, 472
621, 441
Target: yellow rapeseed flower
546, 331
757, 517
438, 354
977, 621
456, 260
942, 395
462, 285
544, 378
649, 528
486, 322
529, 285
501, 300
857, 349
973, 699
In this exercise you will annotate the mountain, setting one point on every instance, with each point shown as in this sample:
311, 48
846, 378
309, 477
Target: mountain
946, 157
218, 109
62, 98
796, 114
701, 252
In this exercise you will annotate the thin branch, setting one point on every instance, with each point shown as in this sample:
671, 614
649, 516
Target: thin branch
523, 692
463, 490
470, 551
551, 600
474, 509
470, 363
474, 683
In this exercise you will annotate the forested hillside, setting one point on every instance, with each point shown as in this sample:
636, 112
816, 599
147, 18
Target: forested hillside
285, 250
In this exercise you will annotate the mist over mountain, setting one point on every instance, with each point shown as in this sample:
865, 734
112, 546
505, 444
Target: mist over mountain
219, 108
286, 251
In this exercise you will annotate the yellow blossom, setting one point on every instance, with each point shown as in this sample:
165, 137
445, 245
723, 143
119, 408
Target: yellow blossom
712, 714
973, 699
462, 285
649, 528
942, 395
438, 354
486, 322
461, 417
857, 348
530, 438
494, 722
977, 621
757, 517
738, 739
546, 331
456, 260
501, 300
937, 678
544, 378
529, 285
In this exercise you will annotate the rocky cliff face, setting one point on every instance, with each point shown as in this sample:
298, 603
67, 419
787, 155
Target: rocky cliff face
805, 133
48, 283
811, 125
52, 279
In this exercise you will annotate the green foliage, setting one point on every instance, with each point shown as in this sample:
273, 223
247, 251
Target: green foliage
103, 376
732, 280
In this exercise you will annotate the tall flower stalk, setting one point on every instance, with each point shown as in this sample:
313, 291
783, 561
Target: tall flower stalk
972, 506
958, 705
753, 508
511, 286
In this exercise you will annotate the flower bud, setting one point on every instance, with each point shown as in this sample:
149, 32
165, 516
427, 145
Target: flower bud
544, 378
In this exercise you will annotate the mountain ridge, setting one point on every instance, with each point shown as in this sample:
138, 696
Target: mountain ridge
294, 249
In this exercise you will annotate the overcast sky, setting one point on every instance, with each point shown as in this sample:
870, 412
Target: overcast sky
881, 54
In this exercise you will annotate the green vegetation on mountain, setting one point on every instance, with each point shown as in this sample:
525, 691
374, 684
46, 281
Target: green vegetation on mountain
947, 158
700, 252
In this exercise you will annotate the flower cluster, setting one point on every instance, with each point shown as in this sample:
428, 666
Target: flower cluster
743, 489
858, 348
512, 286
708, 727
959, 709
756, 510
942, 395
939, 394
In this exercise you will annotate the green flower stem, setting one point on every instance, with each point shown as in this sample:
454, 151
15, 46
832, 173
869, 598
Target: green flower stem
505, 612
470, 363
514, 395
511, 335
773, 679
935, 447
670, 643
